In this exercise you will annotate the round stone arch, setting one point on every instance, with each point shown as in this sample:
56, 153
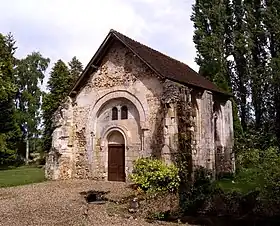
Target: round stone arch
124, 131
92, 119
105, 147
114, 95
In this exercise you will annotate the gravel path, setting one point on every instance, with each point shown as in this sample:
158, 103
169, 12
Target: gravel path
60, 203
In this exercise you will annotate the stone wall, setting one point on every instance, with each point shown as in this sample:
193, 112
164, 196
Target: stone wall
83, 124
59, 162
225, 162
121, 78
169, 100
206, 156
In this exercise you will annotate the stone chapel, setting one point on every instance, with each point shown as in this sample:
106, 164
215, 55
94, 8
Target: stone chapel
123, 107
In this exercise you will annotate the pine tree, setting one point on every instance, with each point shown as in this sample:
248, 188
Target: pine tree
76, 69
9, 131
59, 85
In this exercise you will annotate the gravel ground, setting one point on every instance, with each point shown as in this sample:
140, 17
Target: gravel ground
60, 203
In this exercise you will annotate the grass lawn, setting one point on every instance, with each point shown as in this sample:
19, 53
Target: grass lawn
242, 187
20, 176
244, 182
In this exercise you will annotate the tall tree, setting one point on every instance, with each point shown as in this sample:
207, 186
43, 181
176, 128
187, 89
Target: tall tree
211, 21
30, 74
257, 44
59, 85
238, 45
272, 25
9, 131
240, 78
213, 38
76, 68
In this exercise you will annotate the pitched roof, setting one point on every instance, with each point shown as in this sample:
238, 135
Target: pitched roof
161, 64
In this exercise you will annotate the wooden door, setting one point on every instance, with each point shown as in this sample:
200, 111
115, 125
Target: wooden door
116, 162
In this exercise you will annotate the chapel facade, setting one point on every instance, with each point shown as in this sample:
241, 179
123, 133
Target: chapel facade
125, 106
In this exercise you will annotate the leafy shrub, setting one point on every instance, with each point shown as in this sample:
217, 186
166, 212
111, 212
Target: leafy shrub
249, 158
153, 175
7, 155
206, 197
193, 198
261, 168
255, 191
270, 173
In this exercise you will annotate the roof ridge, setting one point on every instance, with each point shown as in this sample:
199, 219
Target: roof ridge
158, 51
162, 64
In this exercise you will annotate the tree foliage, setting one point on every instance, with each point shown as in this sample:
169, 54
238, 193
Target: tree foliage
76, 69
20, 100
29, 74
9, 130
25, 109
237, 44
238, 41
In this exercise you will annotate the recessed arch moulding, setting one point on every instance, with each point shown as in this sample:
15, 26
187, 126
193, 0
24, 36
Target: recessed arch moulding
100, 125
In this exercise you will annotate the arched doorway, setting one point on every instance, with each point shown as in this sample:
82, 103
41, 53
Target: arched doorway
116, 157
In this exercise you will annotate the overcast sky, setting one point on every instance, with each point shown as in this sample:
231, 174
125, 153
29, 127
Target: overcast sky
61, 29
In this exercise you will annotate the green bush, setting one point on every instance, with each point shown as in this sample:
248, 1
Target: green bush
249, 158
261, 169
270, 173
194, 196
153, 175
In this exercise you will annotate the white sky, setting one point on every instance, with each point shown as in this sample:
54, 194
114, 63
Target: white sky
61, 29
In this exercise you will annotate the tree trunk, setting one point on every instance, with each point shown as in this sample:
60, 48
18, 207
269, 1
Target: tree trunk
27, 151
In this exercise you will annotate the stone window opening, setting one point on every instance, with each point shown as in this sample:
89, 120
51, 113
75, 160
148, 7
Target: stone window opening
114, 113
124, 112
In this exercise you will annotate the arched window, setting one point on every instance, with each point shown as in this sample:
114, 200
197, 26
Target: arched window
124, 112
114, 113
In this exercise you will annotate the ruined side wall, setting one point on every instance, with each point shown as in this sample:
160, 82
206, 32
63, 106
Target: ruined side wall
229, 137
210, 125
179, 135
120, 72
213, 132
224, 139
169, 100
204, 151
59, 161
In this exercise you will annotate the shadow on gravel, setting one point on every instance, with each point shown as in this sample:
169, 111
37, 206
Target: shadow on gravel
95, 197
